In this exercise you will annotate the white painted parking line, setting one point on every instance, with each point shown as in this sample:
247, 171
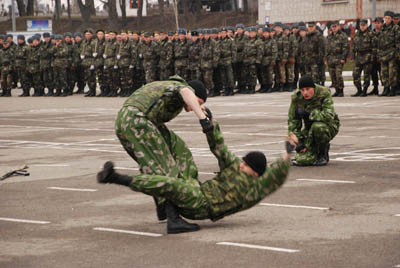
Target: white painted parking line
258, 247
126, 232
293, 206
24, 221
330, 181
72, 189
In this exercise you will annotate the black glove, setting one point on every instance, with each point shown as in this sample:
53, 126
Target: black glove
300, 146
302, 113
206, 125
208, 113
289, 147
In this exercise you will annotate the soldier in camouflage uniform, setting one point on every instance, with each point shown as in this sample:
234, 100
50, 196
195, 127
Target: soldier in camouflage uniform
45, 65
396, 21
388, 53
363, 53
302, 44
239, 185
111, 66
98, 52
86, 55
226, 57
77, 73
239, 41
21, 54
137, 62
61, 65
7, 61
166, 57
141, 129
314, 51
250, 52
282, 42
13, 47
269, 54
124, 57
290, 65
149, 50
33, 63
194, 56
312, 123
208, 61
336, 54
376, 66
181, 50
71, 63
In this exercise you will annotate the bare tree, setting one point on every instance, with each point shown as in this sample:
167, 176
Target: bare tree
162, 15
245, 6
122, 5
86, 10
69, 10
57, 10
21, 8
30, 8
112, 14
140, 11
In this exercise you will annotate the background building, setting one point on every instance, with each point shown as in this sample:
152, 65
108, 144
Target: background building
288, 11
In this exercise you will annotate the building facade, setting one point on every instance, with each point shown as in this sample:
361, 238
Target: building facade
289, 11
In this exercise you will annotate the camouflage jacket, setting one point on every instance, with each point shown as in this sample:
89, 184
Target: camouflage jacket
45, 55
21, 53
62, 55
76, 55
227, 51
389, 42
363, 49
160, 101
293, 45
149, 53
240, 41
136, 60
7, 59
209, 55
320, 107
250, 51
282, 42
110, 53
125, 54
181, 52
314, 48
166, 54
270, 52
232, 190
337, 48
194, 54
98, 47
33, 60
301, 51
86, 53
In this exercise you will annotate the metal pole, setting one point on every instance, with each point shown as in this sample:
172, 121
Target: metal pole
176, 14
373, 9
14, 28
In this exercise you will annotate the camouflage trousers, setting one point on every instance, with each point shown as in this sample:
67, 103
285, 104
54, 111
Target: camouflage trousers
48, 78
181, 69
150, 72
138, 78
78, 78
313, 70
125, 77
336, 74
238, 74
289, 72
376, 73
321, 72
23, 78
389, 73
267, 74
156, 149
280, 72
90, 78
61, 78
358, 69
101, 77
226, 73
316, 138
208, 78
250, 75
165, 73
111, 78
37, 81
195, 73
6, 79
185, 193
217, 79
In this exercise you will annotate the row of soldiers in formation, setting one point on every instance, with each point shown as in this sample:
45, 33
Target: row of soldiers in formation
275, 56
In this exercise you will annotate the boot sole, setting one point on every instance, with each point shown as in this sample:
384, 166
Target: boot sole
178, 231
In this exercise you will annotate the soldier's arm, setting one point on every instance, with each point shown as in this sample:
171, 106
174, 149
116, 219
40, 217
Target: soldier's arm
274, 176
294, 122
260, 51
286, 45
346, 47
274, 51
218, 147
326, 113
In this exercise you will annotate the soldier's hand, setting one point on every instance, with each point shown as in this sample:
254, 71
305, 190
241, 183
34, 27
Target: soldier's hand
206, 125
289, 147
208, 113
292, 139
292, 60
284, 61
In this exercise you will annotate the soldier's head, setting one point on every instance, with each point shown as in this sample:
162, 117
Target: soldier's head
239, 28
311, 26
388, 17
6, 44
335, 27
396, 18
113, 34
10, 38
147, 37
182, 34
363, 25
307, 86
223, 32
46, 37
231, 32
78, 37
195, 35
135, 36
259, 30
295, 28
119, 37
67, 38
88, 34
286, 29
100, 34
35, 41
378, 23
266, 32
199, 90
58, 39
21, 39
124, 36
254, 163
302, 31
252, 32
278, 27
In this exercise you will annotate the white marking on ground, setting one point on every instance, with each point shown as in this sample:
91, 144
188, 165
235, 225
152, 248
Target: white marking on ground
72, 189
49, 165
329, 181
293, 206
126, 168
397, 215
24, 221
258, 247
126, 232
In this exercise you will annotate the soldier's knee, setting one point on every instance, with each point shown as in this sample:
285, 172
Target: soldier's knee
319, 130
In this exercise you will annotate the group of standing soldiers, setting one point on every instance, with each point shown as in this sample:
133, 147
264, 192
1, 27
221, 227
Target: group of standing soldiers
222, 58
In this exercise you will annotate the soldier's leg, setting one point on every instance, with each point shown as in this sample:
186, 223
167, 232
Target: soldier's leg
315, 73
385, 78
80, 79
282, 75
252, 79
375, 78
296, 73
367, 76
322, 76
339, 76
90, 79
57, 82
240, 77
264, 77
37, 84
332, 74
208, 80
357, 79
63, 80
291, 75
393, 72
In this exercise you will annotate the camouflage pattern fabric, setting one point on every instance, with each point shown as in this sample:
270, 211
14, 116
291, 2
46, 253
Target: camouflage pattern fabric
250, 53
61, 66
46, 58
21, 54
7, 61
166, 59
181, 49
337, 50
314, 52
239, 43
363, 53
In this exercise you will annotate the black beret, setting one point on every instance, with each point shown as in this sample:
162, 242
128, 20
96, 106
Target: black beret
46, 34
199, 89
20, 36
306, 81
78, 34
389, 13
181, 31
67, 34
363, 21
257, 161
171, 33
239, 25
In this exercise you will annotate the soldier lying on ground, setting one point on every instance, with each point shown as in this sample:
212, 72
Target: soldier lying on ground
140, 127
312, 123
239, 185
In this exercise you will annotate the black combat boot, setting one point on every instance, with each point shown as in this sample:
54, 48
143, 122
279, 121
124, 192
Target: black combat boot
336, 93
35, 93
323, 156
268, 89
364, 92
23, 93
80, 91
50, 92
392, 92
65, 93
251, 90
262, 89
91, 93
160, 209
230, 92
358, 93
375, 91
386, 91
7, 92
108, 175
58, 92
176, 224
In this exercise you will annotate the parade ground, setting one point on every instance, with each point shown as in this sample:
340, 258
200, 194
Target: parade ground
346, 214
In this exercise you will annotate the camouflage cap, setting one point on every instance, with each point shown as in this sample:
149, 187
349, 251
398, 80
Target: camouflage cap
35, 37
302, 28
230, 28
89, 30
171, 33
285, 27
252, 29
30, 40
311, 23
78, 34
396, 16
388, 13
278, 24
20, 36
295, 26
9, 35
223, 29
378, 19
363, 21
46, 34
147, 34
335, 22
59, 37
239, 25
67, 34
